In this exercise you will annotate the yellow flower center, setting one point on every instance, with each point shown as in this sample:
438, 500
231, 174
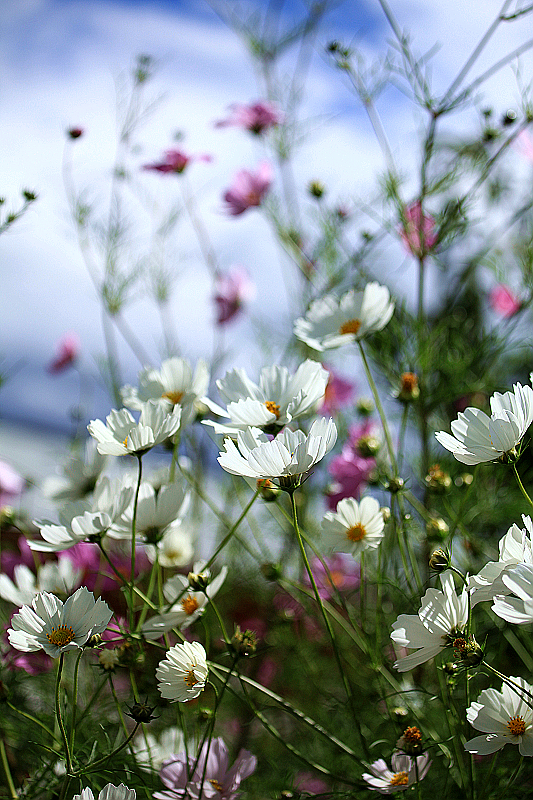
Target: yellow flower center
350, 326
356, 533
412, 735
60, 636
517, 726
189, 604
216, 785
125, 442
273, 408
400, 779
174, 397
190, 678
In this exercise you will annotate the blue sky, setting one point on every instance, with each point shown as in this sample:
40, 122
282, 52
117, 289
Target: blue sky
60, 65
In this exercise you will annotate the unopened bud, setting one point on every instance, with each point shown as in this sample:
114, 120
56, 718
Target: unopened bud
244, 643
108, 659
267, 490
385, 513
364, 406
468, 652
368, 446
395, 485
141, 712
437, 480
271, 572
408, 389
75, 133
316, 189
93, 641
437, 529
199, 581
439, 560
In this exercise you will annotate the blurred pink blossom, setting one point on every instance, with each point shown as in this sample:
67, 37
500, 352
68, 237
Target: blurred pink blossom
417, 230
67, 351
310, 784
248, 189
256, 117
175, 161
343, 574
233, 289
524, 142
504, 301
351, 469
339, 392
11, 484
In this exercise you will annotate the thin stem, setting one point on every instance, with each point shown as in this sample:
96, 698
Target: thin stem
327, 623
7, 772
133, 540
380, 410
521, 485
45, 728
75, 701
59, 716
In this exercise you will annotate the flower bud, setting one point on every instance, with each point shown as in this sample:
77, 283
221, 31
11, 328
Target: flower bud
316, 189
108, 659
267, 490
437, 529
244, 643
141, 712
408, 389
75, 133
395, 485
364, 406
439, 560
199, 581
410, 741
368, 446
437, 480
468, 652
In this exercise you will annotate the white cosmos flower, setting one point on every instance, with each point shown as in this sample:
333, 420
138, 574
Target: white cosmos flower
122, 436
173, 384
331, 322
514, 548
80, 474
478, 437
174, 549
54, 626
278, 399
109, 792
109, 502
518, 581
505, 718
182, 675
150, 752
403, 773
354, 526
54, 576
287, 457
442, 619
157, 512
188, 606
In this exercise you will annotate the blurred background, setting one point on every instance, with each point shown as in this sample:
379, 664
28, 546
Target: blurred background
67, 65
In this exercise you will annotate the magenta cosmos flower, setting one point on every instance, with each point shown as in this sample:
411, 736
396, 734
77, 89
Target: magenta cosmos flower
255, 117
67, 351
248, 189
233, 290
175, 161
208, 780
339, 392
504, 301
417, 230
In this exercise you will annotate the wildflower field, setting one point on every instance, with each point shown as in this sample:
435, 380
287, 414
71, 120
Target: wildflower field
313, 577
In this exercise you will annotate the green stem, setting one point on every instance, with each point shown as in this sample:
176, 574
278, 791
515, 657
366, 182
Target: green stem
75, 701
111, 754
327, 623
514, 686
7, 772
133, 541
59, 716
377, 401
521, 485
45, 728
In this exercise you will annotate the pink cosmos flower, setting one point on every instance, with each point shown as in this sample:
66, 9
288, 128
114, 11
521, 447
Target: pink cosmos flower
256, 117
339, 392
310, 784
343, 574
217, 780
233, 290
11, 484
175, 161
352, 468
248, 189
10, 558
68, 348
503, 301
418, 230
